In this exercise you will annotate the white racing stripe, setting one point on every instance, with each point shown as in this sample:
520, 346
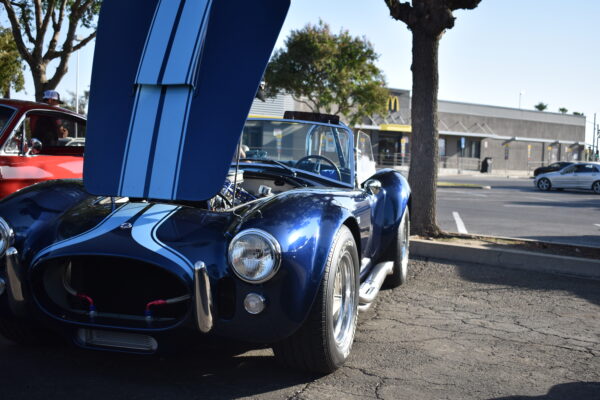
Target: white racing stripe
460, 225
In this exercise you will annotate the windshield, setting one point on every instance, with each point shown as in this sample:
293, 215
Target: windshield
5, 116
318, 149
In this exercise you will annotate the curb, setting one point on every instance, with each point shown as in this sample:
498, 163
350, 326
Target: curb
507, 258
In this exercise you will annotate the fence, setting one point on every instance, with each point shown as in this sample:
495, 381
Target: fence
458, 163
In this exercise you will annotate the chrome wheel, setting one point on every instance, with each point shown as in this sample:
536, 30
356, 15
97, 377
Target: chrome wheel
344, 304
596, 187
544, 184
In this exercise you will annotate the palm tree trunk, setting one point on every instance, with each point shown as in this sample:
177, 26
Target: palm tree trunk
424, 139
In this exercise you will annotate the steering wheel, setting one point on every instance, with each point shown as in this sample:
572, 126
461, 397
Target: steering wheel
327, 160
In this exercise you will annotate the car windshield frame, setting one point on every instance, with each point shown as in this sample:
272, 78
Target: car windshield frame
59, 114
344, 151
8, 120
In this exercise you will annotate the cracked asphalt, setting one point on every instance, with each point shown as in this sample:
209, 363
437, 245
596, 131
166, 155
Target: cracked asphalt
455, 331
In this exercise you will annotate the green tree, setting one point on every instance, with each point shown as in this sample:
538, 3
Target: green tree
578, 113
541, 106
331, 73
46, 30
563, 110
83, 101
427, 20
11, 65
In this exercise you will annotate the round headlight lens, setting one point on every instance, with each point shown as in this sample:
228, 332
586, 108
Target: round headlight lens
254, 255
6, 236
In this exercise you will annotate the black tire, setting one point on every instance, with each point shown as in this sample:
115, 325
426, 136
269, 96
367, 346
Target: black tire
596, 187
544, 184
398, 253
315, 347
23, 333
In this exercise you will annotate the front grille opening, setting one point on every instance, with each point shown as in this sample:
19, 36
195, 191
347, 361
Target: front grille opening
119, 288
117, 340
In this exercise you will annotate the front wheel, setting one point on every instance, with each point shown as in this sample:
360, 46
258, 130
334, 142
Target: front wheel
324, 342
544, 184
596, 187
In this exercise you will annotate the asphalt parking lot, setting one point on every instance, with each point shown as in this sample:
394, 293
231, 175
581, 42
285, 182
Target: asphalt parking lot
514, 208
454, 332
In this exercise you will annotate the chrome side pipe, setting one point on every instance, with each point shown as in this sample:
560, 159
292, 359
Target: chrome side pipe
202, 298
371, 286
16, 298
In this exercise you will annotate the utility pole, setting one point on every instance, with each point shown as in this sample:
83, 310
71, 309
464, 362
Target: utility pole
594, 138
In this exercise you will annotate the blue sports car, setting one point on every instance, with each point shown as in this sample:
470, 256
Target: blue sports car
184, 231
285, 254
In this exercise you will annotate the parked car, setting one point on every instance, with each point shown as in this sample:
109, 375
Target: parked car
577, 176
293, 245
38, 142
557, 166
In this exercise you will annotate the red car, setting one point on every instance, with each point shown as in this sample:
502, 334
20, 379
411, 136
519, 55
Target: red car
38, 142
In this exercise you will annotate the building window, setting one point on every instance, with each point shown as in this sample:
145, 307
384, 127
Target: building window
442, 147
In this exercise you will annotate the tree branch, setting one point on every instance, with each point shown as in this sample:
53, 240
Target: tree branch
16, 29
38, 15
400, 11
462, 4
307, 104
51, 53
26, 27
85, 41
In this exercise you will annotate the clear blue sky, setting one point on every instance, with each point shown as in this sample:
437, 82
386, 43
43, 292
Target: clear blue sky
550, 49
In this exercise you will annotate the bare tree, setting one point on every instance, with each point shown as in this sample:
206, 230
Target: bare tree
35, 21
427, 20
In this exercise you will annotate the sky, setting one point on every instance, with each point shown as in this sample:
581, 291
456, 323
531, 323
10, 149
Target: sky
537, 50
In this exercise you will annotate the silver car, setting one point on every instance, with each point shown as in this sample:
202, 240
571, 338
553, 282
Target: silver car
577, 176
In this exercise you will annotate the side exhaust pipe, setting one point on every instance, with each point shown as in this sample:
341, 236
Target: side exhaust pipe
202, 298
371, 286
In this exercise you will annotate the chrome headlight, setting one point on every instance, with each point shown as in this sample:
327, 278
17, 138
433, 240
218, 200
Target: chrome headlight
255, 255
6, 236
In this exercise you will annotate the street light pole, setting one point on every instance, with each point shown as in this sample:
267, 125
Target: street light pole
78, 39
521, 93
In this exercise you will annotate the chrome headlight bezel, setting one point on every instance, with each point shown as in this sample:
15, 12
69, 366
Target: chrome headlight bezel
7, 236
268, 239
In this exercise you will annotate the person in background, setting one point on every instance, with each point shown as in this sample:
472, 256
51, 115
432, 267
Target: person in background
49, 129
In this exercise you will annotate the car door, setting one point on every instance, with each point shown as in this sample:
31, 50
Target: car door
25, 159
565, 178
585, 175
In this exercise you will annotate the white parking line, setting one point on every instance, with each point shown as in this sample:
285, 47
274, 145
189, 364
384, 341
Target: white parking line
598, 225
460, 225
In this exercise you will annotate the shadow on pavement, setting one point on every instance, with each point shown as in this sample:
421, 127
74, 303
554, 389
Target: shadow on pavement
591, 203
70, 373
587, 289
571, 240
565, 391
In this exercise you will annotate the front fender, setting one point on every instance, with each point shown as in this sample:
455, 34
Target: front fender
397, 197
33, 211
305, 225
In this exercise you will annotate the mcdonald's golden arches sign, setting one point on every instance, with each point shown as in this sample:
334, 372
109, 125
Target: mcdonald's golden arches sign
393, 104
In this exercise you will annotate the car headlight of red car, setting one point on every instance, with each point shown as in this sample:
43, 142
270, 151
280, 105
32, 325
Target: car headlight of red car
254, 255
6, 236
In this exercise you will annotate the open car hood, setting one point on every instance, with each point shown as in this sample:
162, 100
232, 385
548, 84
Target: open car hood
172, 84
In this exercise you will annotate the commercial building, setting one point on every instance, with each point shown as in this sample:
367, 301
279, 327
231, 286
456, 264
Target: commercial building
514, 139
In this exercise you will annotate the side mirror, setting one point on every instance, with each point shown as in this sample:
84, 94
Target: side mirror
373, 186
35, 146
